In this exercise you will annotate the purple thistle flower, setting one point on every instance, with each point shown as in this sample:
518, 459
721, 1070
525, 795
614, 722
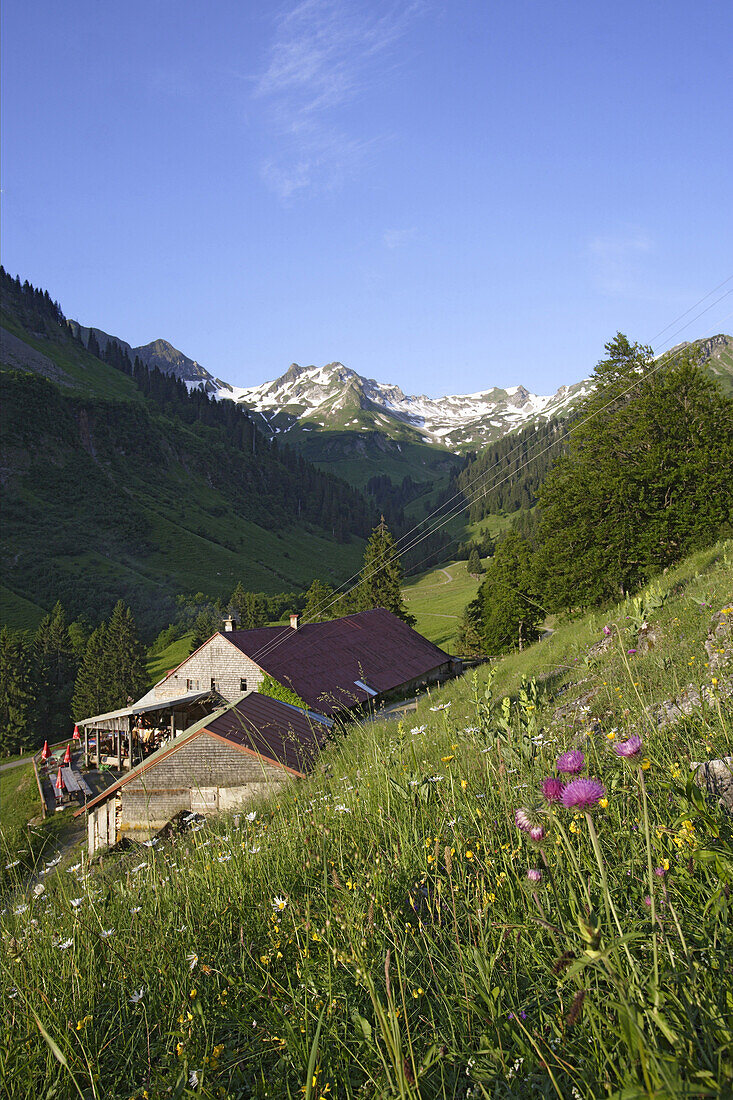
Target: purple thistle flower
607, 630
632, 747
660, 872
570, 762
529, 824
552, 789
581, 794
631, 651
534, 875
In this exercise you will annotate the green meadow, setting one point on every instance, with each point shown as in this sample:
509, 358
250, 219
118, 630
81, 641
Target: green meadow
437, 599
385, 929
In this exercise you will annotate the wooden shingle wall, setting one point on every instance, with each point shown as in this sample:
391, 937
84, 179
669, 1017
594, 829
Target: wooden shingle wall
205, 775
216, 660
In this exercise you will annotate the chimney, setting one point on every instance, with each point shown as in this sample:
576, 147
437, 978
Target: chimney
230, 624
294, 622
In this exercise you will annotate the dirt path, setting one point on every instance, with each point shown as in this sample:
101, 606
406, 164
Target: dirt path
15, 763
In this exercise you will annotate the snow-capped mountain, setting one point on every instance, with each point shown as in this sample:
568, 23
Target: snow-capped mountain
306, 401
334, 397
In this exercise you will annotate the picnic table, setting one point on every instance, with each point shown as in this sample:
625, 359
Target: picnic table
73, 784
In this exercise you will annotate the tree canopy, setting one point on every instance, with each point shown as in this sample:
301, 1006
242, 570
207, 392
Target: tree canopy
646, 478
508, 599
381, 575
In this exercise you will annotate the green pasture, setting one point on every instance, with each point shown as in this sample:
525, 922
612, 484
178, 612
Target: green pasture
384, 928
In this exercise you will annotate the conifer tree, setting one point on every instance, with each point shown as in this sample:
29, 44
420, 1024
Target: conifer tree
475, 568
125, 657
469, 640
380, 585
92, 688
510, 609
319, 604
17, 695
93, 345
645, 481
56, 667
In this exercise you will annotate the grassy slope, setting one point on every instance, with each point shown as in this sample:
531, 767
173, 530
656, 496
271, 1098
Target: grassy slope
17, 612
437, 599
410, 958
198, 540
168, 658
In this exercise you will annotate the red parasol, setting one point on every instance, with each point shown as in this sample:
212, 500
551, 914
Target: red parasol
45, 752
77, 736
67, 755
60, 781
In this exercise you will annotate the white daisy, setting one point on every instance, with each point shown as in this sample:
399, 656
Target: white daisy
279, 904
251, 817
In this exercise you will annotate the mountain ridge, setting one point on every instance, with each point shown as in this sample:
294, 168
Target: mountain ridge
334, 398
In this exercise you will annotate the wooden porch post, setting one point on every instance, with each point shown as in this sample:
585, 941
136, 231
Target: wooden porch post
86, 746
129, 743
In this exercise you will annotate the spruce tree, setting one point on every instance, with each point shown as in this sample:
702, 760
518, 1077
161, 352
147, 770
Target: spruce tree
510, 608
380, 585
92, 688
469, 640
17, 694
125, 657
56, 666
645, 481
475, 568
319, 603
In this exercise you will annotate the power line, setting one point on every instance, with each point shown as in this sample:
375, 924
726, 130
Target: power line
464, 503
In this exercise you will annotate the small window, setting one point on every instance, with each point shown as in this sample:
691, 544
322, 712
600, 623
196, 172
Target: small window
189, 685
214, 684
242, 685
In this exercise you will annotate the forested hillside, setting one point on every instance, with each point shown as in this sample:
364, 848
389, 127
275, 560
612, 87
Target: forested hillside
645, 478
118, 483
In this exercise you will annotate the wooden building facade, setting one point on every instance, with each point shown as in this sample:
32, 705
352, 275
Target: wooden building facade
224, 761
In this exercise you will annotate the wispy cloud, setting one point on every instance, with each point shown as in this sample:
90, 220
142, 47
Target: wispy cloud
396, 238
325, 55
616, 261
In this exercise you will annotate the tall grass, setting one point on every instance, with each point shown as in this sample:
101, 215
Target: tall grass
373, 931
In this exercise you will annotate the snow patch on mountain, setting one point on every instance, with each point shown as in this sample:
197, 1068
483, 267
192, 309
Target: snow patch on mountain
317, 394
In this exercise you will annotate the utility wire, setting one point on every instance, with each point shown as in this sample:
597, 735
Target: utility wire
464, 503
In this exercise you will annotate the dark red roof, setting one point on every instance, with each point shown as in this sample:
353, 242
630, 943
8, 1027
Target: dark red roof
274, 730
278, 732
322, 661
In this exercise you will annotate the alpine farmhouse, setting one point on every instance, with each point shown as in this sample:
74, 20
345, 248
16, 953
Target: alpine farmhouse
204, 740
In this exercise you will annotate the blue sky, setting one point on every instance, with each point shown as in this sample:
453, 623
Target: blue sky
448, 196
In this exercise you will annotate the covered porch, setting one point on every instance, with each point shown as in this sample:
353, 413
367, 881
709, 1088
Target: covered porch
123, 738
